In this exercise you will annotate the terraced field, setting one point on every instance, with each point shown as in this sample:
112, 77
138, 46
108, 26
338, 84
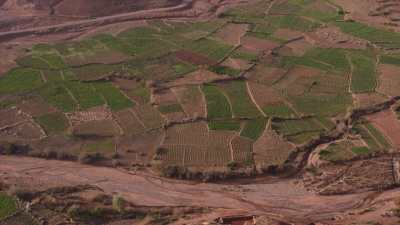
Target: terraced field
243, 90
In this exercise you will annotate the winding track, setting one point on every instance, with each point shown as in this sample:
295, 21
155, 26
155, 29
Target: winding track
278, 198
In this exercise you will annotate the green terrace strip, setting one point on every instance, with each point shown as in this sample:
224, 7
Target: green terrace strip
211, 48
85, 94
230, 125
19, 81
52, 75
390, 59
323, 105
241, 54
374, 139
298, 130
279, 110
242, 105
54, 123
293, 22
170, 108
253, 129
361, 150
57, 95
341, 151
95, 71
333, 60
224, 70
8, 206
114, 98
44, 61
363, 76
217, 104
381, 37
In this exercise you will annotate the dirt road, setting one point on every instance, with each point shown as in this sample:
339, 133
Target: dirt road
277, 198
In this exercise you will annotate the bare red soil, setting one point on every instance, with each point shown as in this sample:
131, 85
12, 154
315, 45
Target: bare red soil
194, 58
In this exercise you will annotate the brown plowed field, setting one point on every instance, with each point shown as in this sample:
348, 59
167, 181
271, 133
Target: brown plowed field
257, 45
192, 101
389, 80
232, 33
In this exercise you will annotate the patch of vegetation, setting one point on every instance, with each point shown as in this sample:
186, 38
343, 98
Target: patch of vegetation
326, 122
95, 71
230, 125
382, 37
374, 139
103, 147
52, 75
54, 61
141, 92
364, 77
53, 123
114, 98
20, 80
240, 54
217, 104
242, 105
8, 206
254, 128
297, 130
279, 110
224, 70
378, 135
85, 94
361, 150
322, 105
390, 59
211, 48
341, 151
183, 68
294, 23
57, 95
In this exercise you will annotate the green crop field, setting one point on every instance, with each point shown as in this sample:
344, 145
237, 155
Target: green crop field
113, 97
85, 94
254, 128
374, 139
54, 123
213, 49
341, 151
95, 71
217, 104
390, 59
363, 76
294, 23
205, 96
242, 105
278, 110
57, 95
20, 80
383, 37
224, 125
